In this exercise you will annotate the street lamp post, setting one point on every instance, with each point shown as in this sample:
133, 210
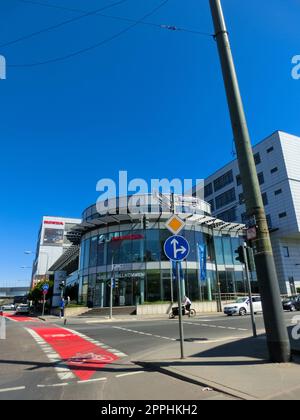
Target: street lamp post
276, 331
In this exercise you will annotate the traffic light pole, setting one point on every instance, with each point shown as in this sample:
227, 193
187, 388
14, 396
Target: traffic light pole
180, 310
111, 288
250, 291
276, 331
44, 303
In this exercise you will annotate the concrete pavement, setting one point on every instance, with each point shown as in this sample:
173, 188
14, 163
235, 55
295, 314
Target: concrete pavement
27, 373
220, 355
237, 367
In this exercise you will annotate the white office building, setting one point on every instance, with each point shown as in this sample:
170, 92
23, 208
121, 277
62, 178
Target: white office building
277, 161
53, 241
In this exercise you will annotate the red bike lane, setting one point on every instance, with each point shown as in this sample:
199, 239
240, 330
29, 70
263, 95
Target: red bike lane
83, 357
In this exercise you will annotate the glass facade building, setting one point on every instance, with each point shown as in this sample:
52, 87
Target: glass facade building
130, 248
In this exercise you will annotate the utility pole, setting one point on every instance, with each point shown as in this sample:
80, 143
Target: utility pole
277, 336
249, 290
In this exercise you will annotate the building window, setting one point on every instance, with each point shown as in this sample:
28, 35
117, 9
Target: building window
257, 159
242, 198
152, 251
271, 149
274, 170
212, 204
238, 180
282, 215
93, 251
208, 190
277, 192
286, 251
269, 221
223, 180
265, 199
225, 198
261, 178
228, 216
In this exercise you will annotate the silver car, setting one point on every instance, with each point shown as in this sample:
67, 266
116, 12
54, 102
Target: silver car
22, 309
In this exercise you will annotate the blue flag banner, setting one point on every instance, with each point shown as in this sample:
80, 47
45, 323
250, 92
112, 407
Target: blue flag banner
202, 261
174, 274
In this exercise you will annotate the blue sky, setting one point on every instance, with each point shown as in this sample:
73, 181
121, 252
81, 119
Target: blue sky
151, 102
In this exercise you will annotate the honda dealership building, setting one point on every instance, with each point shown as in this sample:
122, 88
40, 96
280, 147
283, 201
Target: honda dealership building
129, 246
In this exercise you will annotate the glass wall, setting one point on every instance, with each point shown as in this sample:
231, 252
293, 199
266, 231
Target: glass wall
143, 272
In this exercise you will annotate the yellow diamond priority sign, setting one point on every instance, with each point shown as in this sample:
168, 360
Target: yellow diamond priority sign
175, 224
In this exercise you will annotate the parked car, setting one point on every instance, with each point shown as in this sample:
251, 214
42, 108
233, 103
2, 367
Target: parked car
8, 307
242, 306
291, 304
22, 309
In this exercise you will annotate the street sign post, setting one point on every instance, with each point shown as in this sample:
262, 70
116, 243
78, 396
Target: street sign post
177, 249
45, 289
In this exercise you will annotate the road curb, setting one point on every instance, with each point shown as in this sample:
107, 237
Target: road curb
197, 381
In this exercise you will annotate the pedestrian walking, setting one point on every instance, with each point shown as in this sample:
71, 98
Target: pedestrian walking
62, 308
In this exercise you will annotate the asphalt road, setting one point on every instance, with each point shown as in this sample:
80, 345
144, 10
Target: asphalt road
26, 372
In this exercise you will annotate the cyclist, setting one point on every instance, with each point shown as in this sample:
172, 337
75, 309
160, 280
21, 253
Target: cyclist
187, 304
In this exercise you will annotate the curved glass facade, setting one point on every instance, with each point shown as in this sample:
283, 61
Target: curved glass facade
144, 274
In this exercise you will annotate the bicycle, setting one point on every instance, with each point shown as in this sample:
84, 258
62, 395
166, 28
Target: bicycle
175, 312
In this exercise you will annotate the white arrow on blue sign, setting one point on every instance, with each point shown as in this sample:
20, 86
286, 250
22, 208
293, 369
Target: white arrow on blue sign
45, 287
177, 248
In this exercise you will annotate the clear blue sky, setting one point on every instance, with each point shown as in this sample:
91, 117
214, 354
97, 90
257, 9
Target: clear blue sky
151, 102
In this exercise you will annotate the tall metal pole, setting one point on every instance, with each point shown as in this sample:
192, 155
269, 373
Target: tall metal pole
277, 336
112, 280
44, 303
180, 309
250, 291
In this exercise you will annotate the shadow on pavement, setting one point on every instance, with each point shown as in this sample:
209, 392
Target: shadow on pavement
243, 352
110, 367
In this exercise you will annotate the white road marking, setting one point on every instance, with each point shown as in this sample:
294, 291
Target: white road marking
151, 335
54, 357
53, 385
217, 326
18, 388
92, 380
129, 374
97, 343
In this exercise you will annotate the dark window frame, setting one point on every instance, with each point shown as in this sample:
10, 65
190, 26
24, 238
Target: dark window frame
223, 180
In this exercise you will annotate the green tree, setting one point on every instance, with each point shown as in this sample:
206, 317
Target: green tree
36, 294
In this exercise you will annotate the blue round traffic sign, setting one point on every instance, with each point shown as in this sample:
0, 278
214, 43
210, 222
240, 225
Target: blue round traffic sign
45, 287
177, 248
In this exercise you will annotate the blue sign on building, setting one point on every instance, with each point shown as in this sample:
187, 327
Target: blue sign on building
202, 261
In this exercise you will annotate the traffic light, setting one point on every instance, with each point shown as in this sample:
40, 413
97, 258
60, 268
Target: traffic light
145, 223
62, 285
240, 252
251, 260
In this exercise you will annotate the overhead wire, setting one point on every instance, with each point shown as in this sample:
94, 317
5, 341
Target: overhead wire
61, 24
121, 18
94, 46
84, 14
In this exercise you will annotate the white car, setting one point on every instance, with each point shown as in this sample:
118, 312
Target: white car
242, 306
9, 307
22, 309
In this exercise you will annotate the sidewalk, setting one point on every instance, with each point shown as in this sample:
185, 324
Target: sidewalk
238, 368
101, 319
